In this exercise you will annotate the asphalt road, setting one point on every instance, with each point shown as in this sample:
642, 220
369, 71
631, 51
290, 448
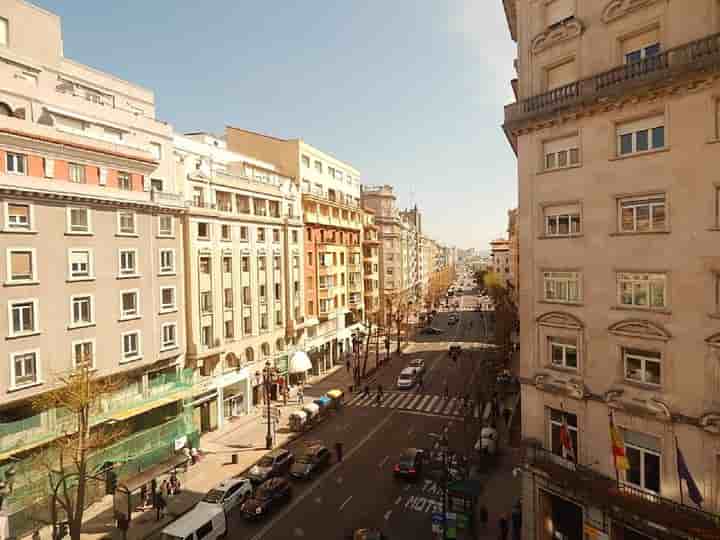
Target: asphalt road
361, 491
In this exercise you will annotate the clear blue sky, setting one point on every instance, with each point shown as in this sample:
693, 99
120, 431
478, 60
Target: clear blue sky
408, 91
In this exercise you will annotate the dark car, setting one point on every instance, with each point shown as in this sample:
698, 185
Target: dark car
276, 463
314, 459
431, 331
410, 464
268, 495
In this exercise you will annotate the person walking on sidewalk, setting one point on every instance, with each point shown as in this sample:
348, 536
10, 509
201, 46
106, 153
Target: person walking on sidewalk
160, 505
503, 527
366, 392
300, 395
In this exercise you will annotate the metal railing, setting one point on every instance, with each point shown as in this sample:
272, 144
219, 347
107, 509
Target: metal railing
699, 54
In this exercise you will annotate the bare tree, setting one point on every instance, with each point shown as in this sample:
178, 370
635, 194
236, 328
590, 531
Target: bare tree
506, 314
79, 393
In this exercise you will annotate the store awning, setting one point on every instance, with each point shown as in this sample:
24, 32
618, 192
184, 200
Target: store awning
299, 363
145, 477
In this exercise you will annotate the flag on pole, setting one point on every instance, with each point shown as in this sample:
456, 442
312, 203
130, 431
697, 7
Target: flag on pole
684, 473
566, 444
618, 447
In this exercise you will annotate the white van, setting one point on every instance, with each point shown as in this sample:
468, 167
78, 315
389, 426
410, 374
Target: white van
204, 522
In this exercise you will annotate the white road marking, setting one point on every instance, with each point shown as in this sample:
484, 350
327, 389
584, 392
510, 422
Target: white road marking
432, 403
411, 405
422, 403
387, 514
383, 462
346, 501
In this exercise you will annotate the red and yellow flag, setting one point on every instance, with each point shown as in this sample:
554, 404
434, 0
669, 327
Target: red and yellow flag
618, 447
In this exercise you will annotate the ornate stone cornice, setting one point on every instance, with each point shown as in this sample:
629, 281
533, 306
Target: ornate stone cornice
641, 329
616, 9
563, 31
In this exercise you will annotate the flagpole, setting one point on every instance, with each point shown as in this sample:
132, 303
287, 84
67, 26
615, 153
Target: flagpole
678, 470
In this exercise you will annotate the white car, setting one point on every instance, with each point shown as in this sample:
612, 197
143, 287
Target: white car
229, 493
406, 379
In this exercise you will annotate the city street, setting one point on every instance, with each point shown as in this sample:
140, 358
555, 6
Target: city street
361, 490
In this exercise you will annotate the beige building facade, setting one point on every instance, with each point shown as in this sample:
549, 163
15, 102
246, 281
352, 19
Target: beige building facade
615, 128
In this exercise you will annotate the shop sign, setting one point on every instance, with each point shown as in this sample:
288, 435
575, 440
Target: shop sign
591, 533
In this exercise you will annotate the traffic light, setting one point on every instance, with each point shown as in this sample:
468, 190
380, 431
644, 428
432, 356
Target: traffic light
111, 482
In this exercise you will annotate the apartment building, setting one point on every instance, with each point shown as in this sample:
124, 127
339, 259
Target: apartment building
411, 222
514, 249
501, 260
615, 128
91, 239
371, 264
332, 249
243, 274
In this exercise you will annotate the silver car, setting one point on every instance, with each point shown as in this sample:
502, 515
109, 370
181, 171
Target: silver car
406, 379
229, 493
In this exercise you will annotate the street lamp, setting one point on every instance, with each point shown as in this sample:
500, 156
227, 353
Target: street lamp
266, 383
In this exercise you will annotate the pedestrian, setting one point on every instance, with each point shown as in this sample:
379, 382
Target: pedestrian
300, 394
347, 365
366, 391
380, 392
160, 505
165, 488
503, 527
506, 415
339, 451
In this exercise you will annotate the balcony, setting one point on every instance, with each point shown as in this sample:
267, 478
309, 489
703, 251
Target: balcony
28, 433
624, 503
619, 81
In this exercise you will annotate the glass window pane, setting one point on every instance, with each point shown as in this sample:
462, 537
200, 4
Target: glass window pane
626, 143
557, 354
657, 294
652, 372
627, 221
652, 50
571, 357
658, 217
562, 158
575, 224
574, 156
634, 56
633, 473
652, 472
658, 137
640, 291
563, 224
633, 368
642, 215
550, 161
641, 140
551, 225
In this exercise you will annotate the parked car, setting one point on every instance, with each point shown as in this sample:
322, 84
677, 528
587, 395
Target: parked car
229, 493
315, 458
267, 496
410, 464
431, 331
418, 364
406, 379
204, 521
276, 463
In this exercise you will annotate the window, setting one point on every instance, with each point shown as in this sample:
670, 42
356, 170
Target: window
225, 233
3, 31
228, 298
243, 233
294, 237
23, 317
247, 324
18, 216
263, 293
129, 304
276, 235
642, 366
131, 345
166, 226
561, 153
645, 46
562, 286
558, 10
167, 298
645, 214
126, 222
167, 261
561, 75
261, 234
21, 265
245, 261
80, 261
642, 290
331, 172
278, 317
156, 150
229, 329
16, 163
305, 161
563, 352
309, 258
206, 337
318, 166
643, 454
76, 173
227, 265
556, 422
203, 230
296, 262
206, 301
276, 263
78, 220
84, 353
25, 367
562, 220
277, 292
641, 136
198, 197
247, 300
169, 336
262, 264
204, 265
124, 181
81, 311
311, 307
263, 321
128, 262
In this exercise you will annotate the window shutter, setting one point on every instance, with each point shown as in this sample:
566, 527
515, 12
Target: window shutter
21, 263
561, 144
49, 168
561, 75
562, 210
103, 175
79, 257
638, 125
641, 41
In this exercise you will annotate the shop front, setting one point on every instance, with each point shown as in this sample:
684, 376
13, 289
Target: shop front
205, 411
218, 399
559, 518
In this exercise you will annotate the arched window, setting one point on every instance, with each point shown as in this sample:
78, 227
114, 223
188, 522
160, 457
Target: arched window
280, 344
249, 355
265, 348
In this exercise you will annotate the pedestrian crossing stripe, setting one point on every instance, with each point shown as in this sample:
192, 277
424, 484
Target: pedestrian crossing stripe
411, 401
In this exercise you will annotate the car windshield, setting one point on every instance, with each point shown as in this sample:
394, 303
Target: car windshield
265, 462
214, 496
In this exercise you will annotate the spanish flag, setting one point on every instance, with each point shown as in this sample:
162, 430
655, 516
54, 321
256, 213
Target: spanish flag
618, 447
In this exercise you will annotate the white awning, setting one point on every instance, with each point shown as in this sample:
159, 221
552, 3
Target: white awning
299, 363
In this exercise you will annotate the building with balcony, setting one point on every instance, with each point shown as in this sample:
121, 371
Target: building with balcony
371, 266
243, 279
91, 242
615, 128
411, 221
501, 260
514, 249
332, 250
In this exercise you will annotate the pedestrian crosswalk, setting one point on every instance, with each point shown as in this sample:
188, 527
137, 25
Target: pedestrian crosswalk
411, 401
